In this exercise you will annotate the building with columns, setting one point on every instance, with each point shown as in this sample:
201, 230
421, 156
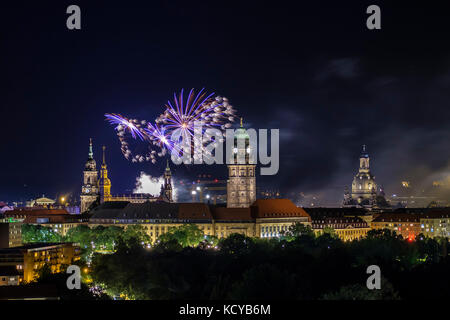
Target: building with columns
241, 184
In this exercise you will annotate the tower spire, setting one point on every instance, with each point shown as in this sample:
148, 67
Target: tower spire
364, 153
241, 123
104, 161
91, 154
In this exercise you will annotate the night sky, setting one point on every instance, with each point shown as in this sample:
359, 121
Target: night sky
314, 71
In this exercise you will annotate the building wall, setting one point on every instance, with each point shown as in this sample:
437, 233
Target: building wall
28, 259
271, 227
241, 186
6, 280
55, 257
10, 234
347, 234
220, 229
435, 227
407, 229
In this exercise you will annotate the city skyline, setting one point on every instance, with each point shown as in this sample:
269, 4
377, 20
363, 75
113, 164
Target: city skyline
327, 93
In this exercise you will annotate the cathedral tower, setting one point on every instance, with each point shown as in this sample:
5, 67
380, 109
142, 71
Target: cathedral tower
104, 183
89, 190
364, 188
166, 188
241, 184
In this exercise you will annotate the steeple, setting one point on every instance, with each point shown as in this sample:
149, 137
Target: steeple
91, 154
166, 187
89, 189
90, 163
167, 166
104, 161
364, 153
104, 182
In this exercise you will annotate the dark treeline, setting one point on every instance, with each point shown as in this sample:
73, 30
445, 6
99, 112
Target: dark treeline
299, 265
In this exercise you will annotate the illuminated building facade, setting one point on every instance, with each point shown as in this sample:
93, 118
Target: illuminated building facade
29, 258
89, 189
10, 234
364, 187
414, 221
436, 223
264, 218
59, 220
241, 184
346, 228
43, 202
404, 224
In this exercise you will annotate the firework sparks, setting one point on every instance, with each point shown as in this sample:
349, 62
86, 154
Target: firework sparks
182, 115
211, 111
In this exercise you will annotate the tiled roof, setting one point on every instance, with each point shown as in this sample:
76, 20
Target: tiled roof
437, 213
194, 211
335, 212
397, 217
277, 208
26, 212
146, 210
267, 208
150, 210
228, 214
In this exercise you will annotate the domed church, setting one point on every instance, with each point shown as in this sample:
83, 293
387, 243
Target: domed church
364, 187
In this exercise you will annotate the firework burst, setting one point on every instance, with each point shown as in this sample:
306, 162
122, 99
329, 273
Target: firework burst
135, 129
213, 112
180, 114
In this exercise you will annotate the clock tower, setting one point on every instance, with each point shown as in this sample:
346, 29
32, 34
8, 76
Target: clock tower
89, 190
241, 184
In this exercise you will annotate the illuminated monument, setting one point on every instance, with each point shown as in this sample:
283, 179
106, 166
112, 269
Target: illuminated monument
89, 190
241, 184
95, 188
364, 187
